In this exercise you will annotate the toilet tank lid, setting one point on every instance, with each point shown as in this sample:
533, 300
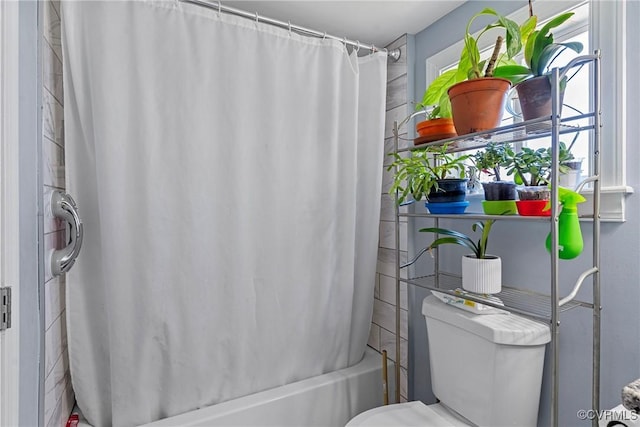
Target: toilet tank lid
508, 329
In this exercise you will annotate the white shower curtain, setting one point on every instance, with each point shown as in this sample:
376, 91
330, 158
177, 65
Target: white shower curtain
228, 175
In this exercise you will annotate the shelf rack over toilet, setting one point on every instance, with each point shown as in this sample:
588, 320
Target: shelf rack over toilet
546, 307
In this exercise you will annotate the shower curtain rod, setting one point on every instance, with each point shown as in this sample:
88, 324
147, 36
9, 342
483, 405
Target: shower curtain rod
394, 54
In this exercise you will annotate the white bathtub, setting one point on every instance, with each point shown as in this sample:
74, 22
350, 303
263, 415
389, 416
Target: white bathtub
327, 400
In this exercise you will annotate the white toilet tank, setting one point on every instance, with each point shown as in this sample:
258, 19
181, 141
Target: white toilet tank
486, 367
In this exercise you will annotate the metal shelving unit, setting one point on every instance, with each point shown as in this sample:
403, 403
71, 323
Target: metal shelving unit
545, 307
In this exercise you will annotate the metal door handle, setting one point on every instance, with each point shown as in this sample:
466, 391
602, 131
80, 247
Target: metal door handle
64, 207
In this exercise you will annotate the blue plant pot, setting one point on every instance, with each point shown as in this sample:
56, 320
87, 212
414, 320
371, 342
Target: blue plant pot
447, 208
449, 190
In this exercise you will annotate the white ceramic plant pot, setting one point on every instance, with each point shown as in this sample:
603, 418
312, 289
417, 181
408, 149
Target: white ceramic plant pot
570, 179
482, 275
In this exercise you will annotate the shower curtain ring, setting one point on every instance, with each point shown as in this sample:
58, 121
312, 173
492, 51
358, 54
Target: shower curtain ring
257, 21
357, 46
289, 28
219, 9
324, 36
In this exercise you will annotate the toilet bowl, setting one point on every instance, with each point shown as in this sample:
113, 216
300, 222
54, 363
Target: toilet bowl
408, 414
486, 370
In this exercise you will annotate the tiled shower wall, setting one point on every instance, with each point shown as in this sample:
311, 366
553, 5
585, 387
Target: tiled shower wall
58, 393
383, 328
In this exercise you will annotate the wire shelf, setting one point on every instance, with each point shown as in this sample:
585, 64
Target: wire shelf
525, 302
532, 129
476, 215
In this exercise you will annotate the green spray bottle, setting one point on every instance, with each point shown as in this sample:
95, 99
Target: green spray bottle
569, 233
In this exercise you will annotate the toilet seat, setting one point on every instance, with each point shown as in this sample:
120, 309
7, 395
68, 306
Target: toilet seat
407, 414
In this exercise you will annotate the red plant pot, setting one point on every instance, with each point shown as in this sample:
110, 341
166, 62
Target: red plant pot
533, 207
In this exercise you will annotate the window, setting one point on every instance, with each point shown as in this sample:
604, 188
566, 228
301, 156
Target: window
592, 25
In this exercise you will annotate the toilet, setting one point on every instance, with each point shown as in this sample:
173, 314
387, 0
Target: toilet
486, 370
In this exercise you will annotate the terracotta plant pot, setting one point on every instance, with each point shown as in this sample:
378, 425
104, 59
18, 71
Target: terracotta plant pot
482, 275
478, 104
435, 130
535, 97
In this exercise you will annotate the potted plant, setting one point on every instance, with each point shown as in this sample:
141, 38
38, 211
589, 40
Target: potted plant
438, 125
477, 97
481, 272
432, 173
499, 195
570, 167
570, 177
532, 81
435, 97
532, 169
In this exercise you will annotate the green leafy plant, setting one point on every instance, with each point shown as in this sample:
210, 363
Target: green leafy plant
533, 167
470, 65
418, 173
478, 248
436, 113
539, 53
433, 111
492, 158
436, 94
